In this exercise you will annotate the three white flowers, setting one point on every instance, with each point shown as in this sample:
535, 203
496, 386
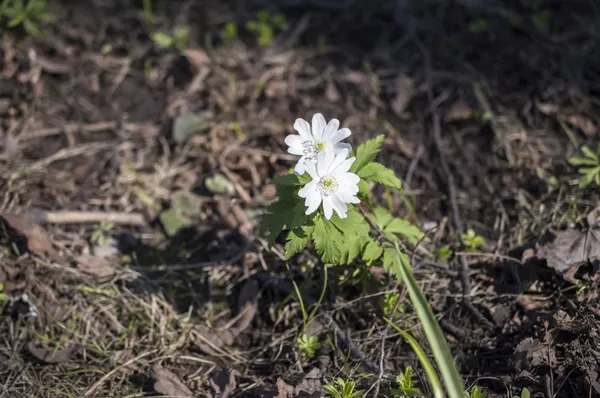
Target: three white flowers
325, 158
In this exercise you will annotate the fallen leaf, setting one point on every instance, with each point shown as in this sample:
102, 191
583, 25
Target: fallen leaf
168, 383
569, 250
284, 390
49, 355
219, 184
99, 266
460, 110
197, 58
404, 91
37, 239
587, 126
310, 386
173, 220
190, 124
331, 92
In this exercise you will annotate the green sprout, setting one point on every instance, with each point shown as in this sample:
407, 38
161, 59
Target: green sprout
265, 26
406, 384
590, 166
524, 393
344, 389
178, 41
472, 241
102, 232
541, 21
229, 32
478, 26
475, 392
389, 303
445, 253
29, 15
308, 345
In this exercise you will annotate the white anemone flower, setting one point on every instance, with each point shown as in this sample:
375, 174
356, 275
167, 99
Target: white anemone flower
331, 184
312, 140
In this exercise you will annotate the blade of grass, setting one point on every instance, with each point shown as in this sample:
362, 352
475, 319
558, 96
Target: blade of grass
433, 332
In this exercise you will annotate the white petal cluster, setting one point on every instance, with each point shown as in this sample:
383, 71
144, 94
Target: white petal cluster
326, 160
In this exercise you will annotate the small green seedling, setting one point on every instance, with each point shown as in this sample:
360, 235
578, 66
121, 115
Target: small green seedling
101, 233
229, 32
389, 303
524, 393
406, 383
29, 15
541, 21
445, 253
177, 42
344, 389
475, 392
264, 27
478, 26
308, 345
472, 241
590, 166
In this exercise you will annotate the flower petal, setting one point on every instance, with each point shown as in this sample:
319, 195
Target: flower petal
300, 167
294, 141
313, 200
318, 125
339, 206
345, 165
303, 128
311, 167
330, 130
337, 161
324, 160
340, 134
348, 197
303, 192
348, 179
328, 206
340, 146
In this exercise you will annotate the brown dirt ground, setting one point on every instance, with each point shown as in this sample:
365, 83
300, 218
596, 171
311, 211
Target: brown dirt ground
86, 115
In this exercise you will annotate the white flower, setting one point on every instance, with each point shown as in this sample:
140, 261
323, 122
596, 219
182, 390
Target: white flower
331, 184
308, 143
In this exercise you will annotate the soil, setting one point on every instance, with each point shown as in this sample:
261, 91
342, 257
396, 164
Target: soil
131, 257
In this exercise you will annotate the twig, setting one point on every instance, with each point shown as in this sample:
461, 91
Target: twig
449, 177
136, 128
86, 217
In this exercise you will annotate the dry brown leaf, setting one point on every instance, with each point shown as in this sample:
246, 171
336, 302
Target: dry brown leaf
583, 123
310, 386
460, 110
331, 92
49, 355
284, 390
197, 58
404, 91
99, 266
569, 250
168, 383
38, 241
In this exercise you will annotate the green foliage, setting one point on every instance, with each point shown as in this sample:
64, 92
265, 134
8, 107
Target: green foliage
478, 26
29, 15
472, 241
101, 233
590, 166
366, 153
541, 21
265, 26
229, 32
445, 252
389, 303
406, 382
524, 393
475, 392
344, 389
308, 345
376, 172
178, 41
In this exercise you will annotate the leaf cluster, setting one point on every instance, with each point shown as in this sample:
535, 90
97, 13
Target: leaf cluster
30, 15
589, 166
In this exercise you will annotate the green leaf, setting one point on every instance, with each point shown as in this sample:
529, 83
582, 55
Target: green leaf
162, 39
325, 235
297, 240
582, 161
353, 224
287, 180
366, 153
377, 172
372, 252
283, 214
351, 249
390, 262
403, 228
31, 27
381, 217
